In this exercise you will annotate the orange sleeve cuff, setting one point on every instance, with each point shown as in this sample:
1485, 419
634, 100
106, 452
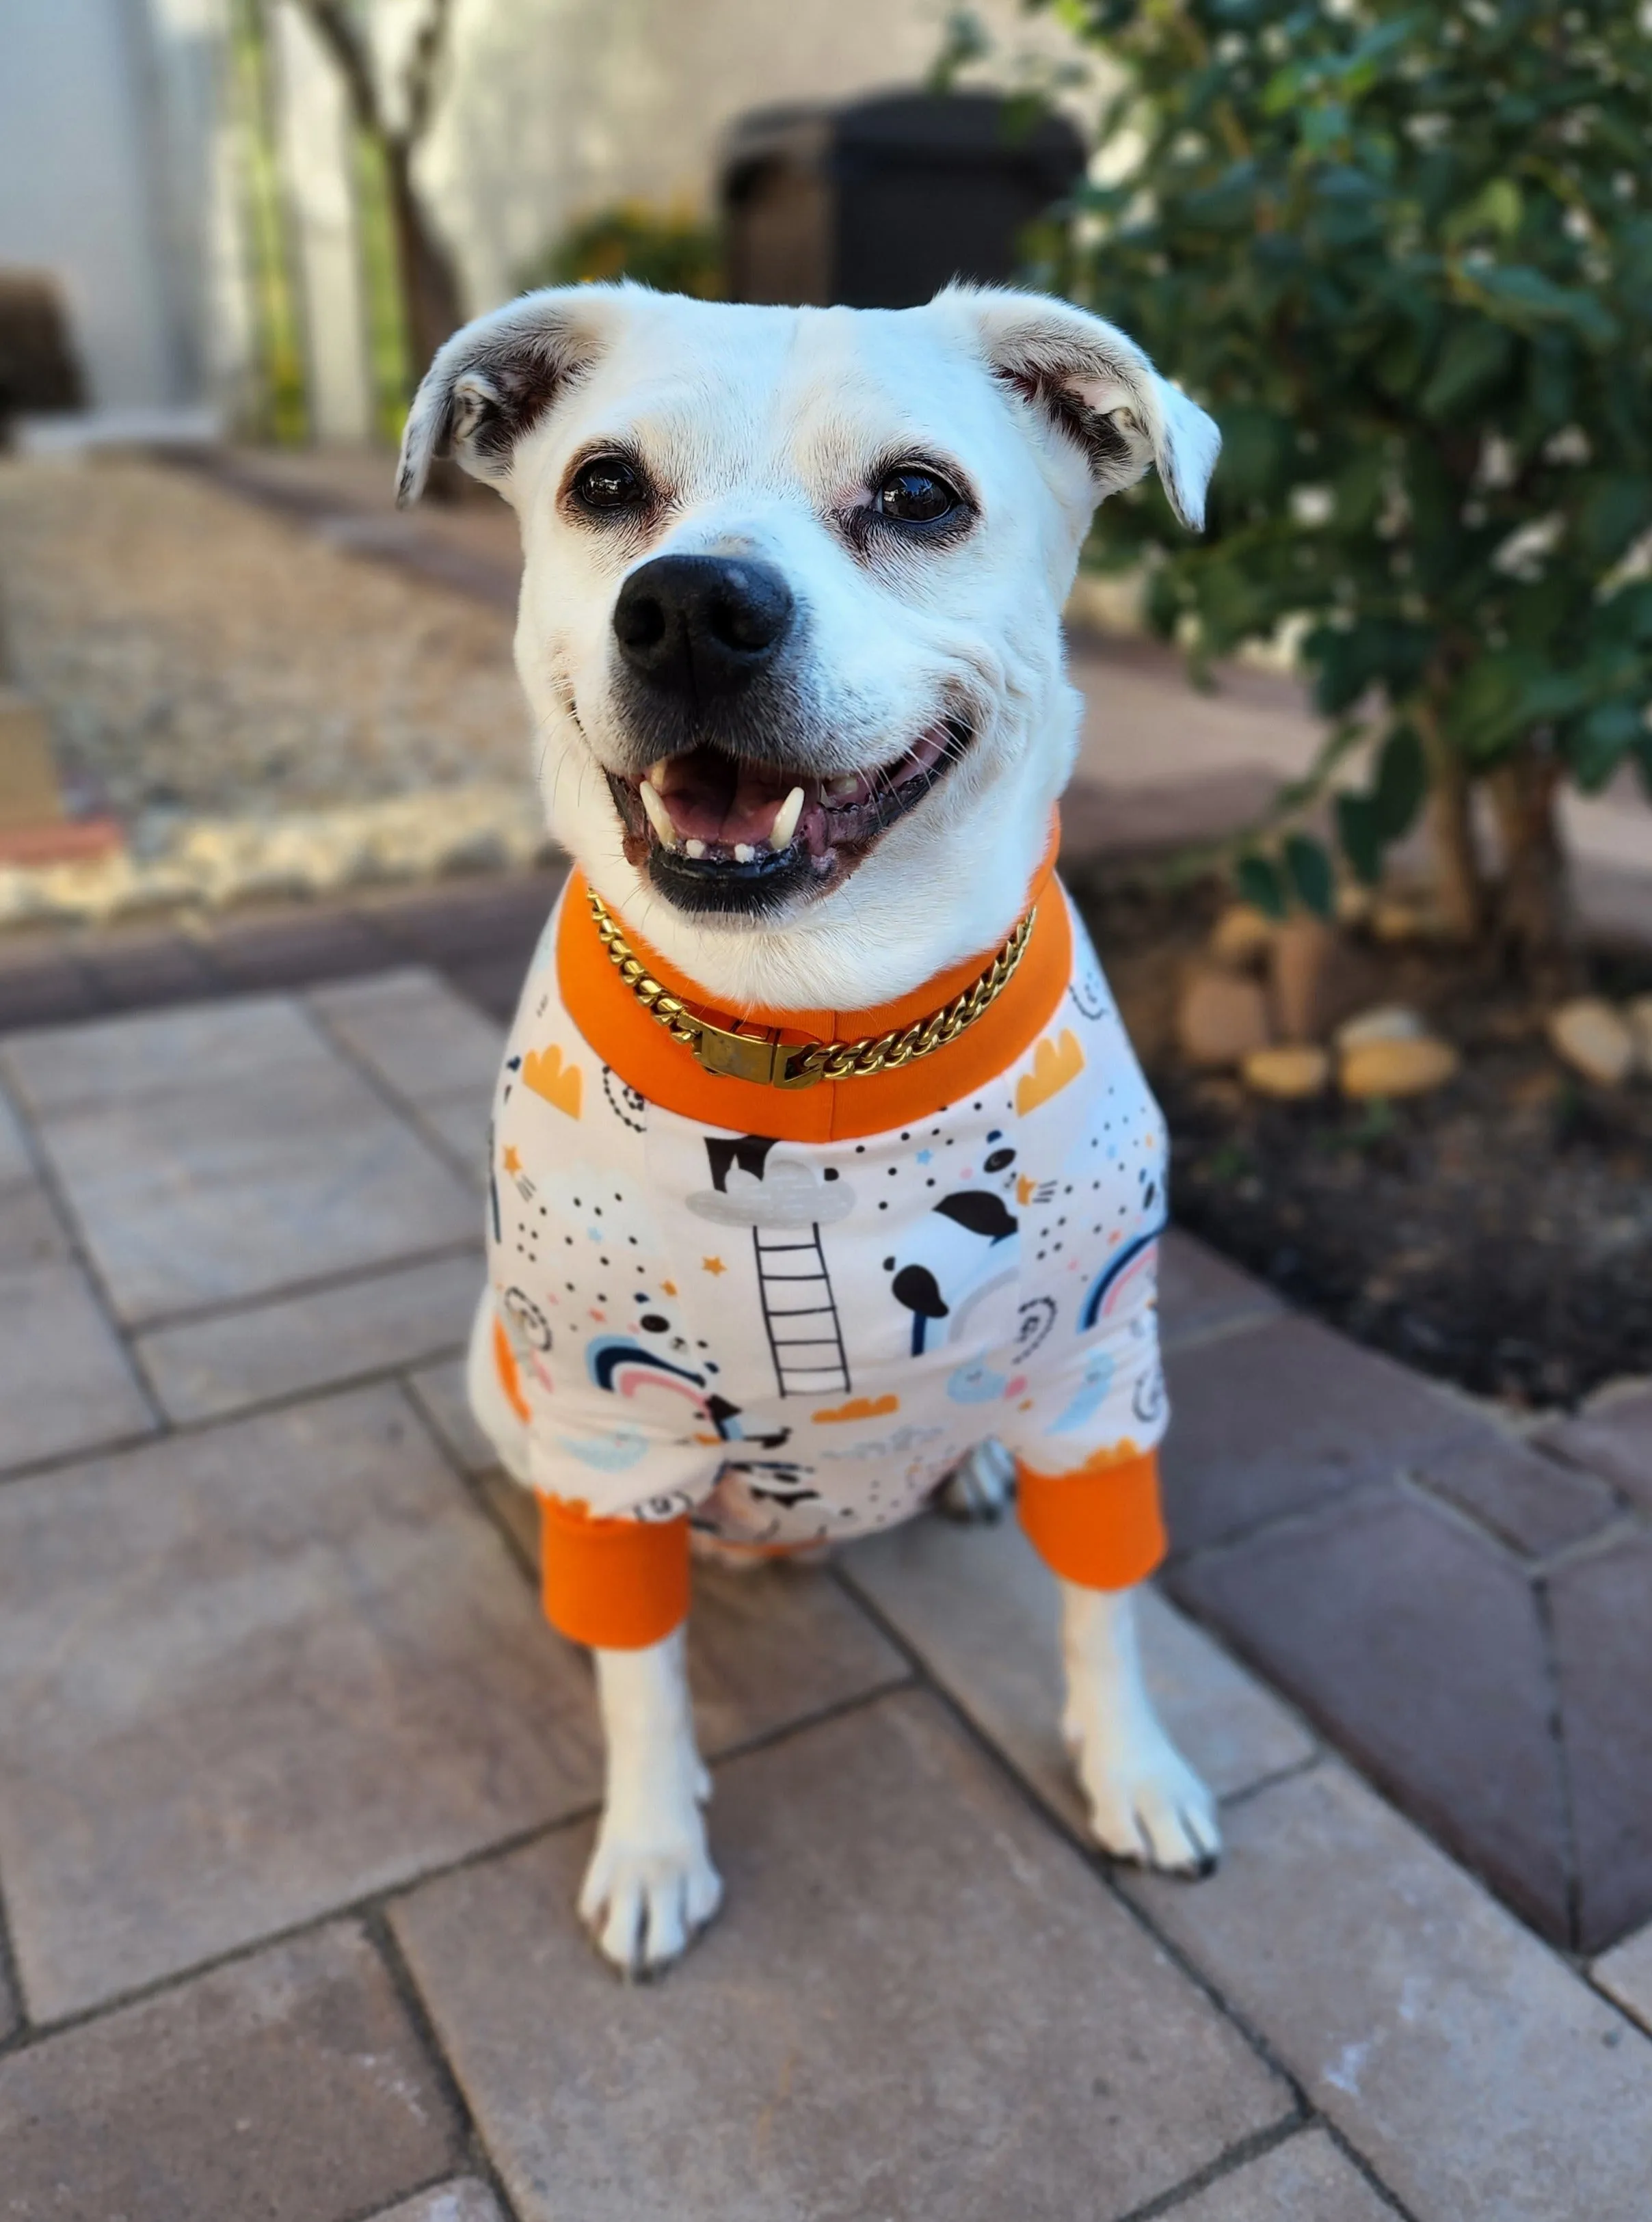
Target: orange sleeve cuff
616, 1585
1099, 1527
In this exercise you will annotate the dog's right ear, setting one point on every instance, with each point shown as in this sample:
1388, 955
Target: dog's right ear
494, 380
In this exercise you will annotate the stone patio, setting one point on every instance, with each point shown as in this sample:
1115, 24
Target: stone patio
295, 1783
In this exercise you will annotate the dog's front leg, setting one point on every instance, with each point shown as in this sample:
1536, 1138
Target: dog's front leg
1146, 1802
651, 1884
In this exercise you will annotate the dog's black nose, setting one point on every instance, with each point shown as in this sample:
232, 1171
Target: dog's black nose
702, 626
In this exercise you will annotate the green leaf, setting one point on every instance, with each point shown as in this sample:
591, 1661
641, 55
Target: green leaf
1401, 782
1477, 356
1524, 297
1614, 511
1259, 883
1597, 745
1495, 208
1311, 873
1356, 829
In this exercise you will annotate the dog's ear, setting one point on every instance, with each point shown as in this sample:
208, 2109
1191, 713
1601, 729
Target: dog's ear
494, 380
1099, 388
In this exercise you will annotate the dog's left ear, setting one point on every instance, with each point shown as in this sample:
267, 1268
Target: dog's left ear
1100, 389
494, 379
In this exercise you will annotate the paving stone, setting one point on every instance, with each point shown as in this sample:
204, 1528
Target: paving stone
250, 1675
65, 1381
1600, 1609
1625, 1972
290, 2087
1305, 2180
165, 1053
1200, 1293
439, 1391
459, 1124
1481, 2079
1534, 1503
1283, 1416
1419, 1651
464, 2200
1614, 1438
493, 984
16, 1164
245, 1185
767, 1649
408, 1027
516, 1510
980, 1610
775, 1646
916, 2002
210, 1366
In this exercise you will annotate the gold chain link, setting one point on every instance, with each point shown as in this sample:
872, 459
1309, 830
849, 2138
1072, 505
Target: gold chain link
800, 1064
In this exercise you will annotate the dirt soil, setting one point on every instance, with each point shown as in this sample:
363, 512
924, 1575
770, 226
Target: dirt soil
1497, 1234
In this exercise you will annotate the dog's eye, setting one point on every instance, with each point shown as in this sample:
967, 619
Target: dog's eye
912, 495
608, 482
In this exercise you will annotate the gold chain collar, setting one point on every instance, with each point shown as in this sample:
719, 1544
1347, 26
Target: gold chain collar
800, 1065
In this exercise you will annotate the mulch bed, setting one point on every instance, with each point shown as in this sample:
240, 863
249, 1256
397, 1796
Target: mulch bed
1497, 1234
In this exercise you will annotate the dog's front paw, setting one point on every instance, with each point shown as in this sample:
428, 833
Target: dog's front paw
1145, 1802
647, 1895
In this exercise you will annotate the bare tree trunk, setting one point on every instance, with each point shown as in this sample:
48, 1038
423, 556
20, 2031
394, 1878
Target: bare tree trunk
1459, 885
1535, 916
429, 296
429, 288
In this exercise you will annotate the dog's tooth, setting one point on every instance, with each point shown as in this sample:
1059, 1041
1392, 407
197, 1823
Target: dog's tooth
695, 848
786, 817
842, 783
658, 816
745, 853
656, 774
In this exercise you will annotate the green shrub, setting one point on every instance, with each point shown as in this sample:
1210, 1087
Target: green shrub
668, 249
1405, 256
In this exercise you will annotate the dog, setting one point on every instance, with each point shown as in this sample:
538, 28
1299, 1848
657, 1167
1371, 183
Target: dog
822, 1177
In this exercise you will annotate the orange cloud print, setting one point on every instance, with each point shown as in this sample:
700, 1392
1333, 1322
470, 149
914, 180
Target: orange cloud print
857, 1408
1054, 1063
561, 1084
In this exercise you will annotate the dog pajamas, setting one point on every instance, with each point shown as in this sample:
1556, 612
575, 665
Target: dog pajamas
781, 1317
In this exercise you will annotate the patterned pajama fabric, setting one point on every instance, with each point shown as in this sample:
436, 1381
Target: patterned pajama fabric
794, 1343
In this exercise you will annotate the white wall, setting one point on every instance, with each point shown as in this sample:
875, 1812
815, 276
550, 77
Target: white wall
78, 117
556, 106
118, 170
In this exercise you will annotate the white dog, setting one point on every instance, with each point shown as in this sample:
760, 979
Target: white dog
846, 1175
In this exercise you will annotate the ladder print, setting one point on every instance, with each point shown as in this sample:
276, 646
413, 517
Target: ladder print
798, 1310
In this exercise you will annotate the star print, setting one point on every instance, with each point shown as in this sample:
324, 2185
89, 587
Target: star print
598, 1316
512, 1159
925, 1157
713, 1265
669, 1287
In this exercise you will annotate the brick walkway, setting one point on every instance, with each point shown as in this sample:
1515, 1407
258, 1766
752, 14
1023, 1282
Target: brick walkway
294, 1784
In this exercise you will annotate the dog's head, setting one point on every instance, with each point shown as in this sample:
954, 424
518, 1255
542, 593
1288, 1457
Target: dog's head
790, 623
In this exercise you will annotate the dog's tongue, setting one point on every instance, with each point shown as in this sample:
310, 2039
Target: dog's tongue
710, 797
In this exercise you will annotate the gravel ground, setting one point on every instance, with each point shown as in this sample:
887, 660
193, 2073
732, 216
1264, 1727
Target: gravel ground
201, 657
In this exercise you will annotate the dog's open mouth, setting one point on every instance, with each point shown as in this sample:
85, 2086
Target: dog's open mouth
717, 832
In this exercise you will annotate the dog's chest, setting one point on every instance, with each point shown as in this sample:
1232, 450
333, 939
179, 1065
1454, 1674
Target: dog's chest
748, 1285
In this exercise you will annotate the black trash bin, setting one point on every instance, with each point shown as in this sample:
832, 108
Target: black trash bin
878, 203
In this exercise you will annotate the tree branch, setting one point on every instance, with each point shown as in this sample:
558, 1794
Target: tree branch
424, 68
332, 25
